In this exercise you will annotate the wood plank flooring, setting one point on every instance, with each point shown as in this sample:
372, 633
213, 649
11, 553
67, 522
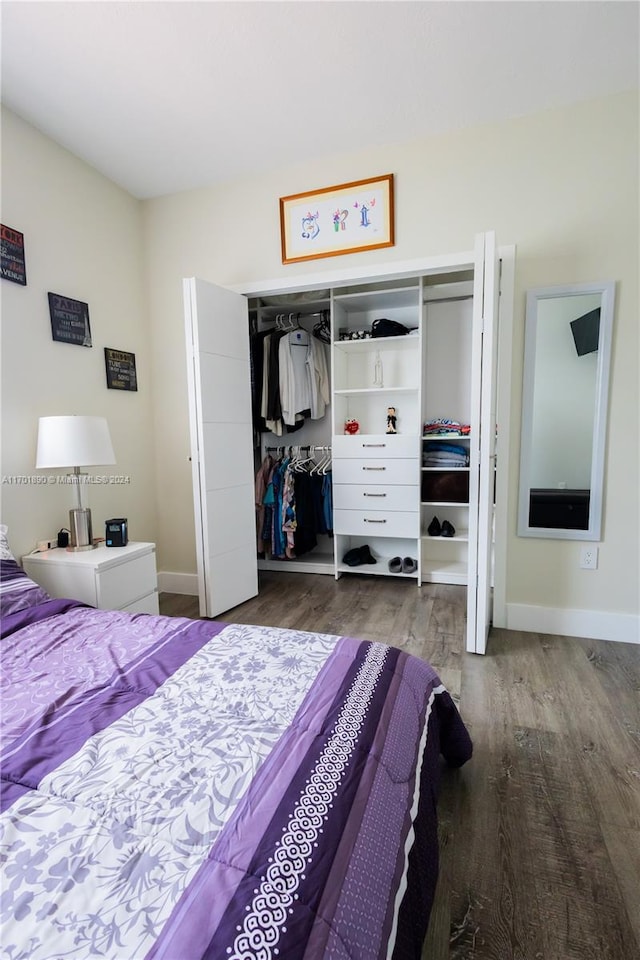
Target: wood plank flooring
540, 831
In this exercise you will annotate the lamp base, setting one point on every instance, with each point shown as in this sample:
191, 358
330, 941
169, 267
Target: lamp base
80, 529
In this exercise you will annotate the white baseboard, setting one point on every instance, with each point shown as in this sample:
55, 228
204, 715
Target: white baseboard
591, 624
184, 583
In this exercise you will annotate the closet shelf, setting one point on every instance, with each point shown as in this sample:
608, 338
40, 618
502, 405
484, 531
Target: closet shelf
444, 503
381, 569
372, 390
461, 536
380, 299
445, 469
437, 572
371, 344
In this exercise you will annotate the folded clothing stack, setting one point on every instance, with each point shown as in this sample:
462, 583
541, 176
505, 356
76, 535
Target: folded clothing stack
442, 427
445, 455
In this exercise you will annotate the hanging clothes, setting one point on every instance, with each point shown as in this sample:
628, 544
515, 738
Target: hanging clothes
261, 483
304, 377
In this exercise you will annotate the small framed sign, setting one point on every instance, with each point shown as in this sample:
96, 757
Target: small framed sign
121, 369
69, 320
346, 218
12, 255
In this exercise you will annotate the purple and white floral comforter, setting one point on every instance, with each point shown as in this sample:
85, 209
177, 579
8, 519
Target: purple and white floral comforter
184, 789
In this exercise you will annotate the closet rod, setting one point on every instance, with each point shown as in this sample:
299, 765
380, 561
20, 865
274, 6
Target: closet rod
292, 314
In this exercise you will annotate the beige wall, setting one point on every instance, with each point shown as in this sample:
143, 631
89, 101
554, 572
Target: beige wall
83, 240
562, 186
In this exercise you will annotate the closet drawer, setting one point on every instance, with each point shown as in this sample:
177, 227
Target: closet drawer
355, 496
374, 470
375, 445
377, 523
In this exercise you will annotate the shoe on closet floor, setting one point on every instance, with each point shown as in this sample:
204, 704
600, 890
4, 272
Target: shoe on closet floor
434, 529
395, 565
409, 565
367, 556
358, 555
448, 529
353, 557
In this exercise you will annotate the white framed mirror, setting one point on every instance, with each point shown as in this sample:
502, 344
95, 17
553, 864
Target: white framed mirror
567, 355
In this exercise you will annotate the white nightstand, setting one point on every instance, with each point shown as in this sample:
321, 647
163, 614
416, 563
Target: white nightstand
111, 578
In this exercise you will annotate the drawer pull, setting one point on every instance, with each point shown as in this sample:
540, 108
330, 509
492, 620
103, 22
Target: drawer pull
374, 444
374, 494
366, 520
374, 468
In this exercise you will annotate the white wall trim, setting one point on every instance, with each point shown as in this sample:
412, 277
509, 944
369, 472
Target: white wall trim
591, 624
184, 583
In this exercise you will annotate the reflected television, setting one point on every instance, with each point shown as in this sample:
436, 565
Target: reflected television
586, 332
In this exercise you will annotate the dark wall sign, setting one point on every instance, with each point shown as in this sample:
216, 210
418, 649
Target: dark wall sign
69, 320
121, 369
12, 265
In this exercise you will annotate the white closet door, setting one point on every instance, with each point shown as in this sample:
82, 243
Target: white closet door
486, 509
482, 456
219, 381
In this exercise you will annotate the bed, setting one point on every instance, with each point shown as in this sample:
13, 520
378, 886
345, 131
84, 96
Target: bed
186, 789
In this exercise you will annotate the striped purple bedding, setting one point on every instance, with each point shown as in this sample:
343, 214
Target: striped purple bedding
185, 789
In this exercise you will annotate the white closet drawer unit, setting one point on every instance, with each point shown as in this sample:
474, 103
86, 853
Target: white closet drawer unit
354, 496
374, 470
382, 445
377, 523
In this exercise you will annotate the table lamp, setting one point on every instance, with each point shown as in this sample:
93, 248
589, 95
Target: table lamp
75, 442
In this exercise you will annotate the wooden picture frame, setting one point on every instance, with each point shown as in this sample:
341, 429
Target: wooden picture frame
120, 368
345, 218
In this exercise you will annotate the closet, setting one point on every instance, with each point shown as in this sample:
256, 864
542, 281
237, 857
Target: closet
433, 387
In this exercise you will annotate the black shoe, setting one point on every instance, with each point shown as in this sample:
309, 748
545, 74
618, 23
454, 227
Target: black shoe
353, 557
434, 529
448, 529
366, 555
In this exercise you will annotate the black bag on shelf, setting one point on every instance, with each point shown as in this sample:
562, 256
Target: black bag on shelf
387, 328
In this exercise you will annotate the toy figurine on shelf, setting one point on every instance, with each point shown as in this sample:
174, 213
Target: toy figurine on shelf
391, 420
351, 427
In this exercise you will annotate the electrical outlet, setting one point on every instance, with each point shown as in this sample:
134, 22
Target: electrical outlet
589, 558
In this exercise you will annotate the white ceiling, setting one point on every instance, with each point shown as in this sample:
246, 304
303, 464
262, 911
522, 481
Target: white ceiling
167, 96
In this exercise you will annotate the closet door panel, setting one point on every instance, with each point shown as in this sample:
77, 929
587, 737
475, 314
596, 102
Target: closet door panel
232, 581
227, 453
229, 335
226, 398
217, 341
482, 442
487, 442
230, 526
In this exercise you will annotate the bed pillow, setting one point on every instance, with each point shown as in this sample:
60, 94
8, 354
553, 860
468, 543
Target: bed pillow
5, 549
17, 590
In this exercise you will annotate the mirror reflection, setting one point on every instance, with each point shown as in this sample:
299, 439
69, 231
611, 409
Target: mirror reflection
567, 347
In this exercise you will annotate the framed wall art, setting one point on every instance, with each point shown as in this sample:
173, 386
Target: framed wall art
12, 263
345, 218
69, 320
121, 369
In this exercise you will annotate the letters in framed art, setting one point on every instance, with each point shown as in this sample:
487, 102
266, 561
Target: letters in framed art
345, 218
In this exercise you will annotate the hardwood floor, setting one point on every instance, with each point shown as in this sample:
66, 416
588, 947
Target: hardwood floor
540, 831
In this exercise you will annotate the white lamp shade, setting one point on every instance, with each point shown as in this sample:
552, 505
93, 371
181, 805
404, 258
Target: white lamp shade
73, 442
